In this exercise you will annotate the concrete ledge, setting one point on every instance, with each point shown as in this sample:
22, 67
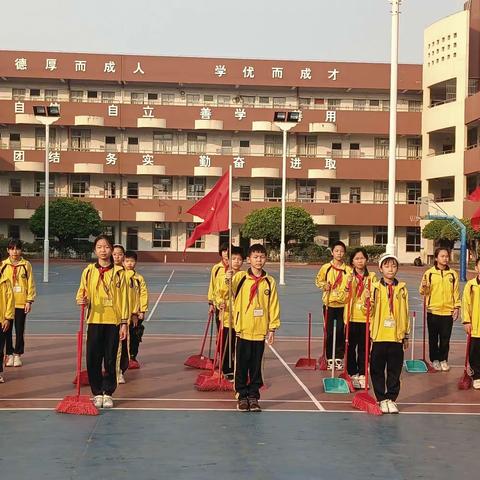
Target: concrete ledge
321, 173
322, 127
323, 219
259, 172
263, 126
209, 124
29, 166
150, 216
150, 170
88, 168
151, 122
207, 171
89, 121
22, 213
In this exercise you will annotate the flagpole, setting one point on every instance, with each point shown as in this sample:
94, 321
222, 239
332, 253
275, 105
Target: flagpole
230, 300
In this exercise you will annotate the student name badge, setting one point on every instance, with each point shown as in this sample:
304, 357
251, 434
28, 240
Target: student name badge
389, 323
258, 312
107, 302
17, 289
359, 306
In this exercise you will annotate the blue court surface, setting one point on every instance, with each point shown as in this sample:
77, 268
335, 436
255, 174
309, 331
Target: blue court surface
163, 428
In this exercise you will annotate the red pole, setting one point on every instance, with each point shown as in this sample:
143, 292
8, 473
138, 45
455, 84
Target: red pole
309, 334
424, 325
80, 347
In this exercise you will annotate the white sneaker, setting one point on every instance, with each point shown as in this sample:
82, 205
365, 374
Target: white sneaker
9, 362
476, 384
338, 364
17, 361
329, 364
355, 381
98, 401
444, 366
107, 401
121, 378
436, 365
2, 380
361, 381
384, 406
392, 406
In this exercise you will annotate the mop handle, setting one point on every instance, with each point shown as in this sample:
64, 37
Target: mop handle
347, 327
80, 346
367, 337
424, 325
205, 335
467, 351
414, 320
309, 334
325, 322
334, 344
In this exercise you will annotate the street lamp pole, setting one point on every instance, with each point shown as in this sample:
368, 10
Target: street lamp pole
392, 152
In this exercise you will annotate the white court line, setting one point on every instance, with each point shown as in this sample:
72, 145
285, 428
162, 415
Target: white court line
160, 297
292, 373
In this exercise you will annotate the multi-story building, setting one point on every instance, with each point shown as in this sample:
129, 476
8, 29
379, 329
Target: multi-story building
142, 138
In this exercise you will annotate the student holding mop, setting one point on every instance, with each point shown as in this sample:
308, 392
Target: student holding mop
389, 331
440, 287
216, 269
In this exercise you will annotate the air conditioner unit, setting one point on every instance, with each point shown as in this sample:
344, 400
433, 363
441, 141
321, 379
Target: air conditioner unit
182, 93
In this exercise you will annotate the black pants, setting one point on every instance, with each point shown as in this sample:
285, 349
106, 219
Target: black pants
136, 334
439, 333
124, 355
474, 357
226, 368
356, 349
3, 337
19, 323
248, 365
335, 313
386, 356
102, 348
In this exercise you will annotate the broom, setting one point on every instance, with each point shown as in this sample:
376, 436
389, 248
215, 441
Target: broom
465, 382
428, 364
78, 404
363, 400
83, 375
200, 361
322, 361
345, 374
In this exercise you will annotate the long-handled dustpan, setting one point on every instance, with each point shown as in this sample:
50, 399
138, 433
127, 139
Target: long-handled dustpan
415, 366
465, 383
200, 361
307, 363
332, 384
345, 374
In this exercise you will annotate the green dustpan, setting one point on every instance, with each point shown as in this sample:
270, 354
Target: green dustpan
335, 385
415, 366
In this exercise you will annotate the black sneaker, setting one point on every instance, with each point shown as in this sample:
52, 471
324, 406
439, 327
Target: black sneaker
254, 405
242, 405
229, 377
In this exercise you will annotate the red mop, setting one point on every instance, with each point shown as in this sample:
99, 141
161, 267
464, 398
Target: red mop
322, 361
83, 375
465, 383
78, 404
428, 364
200, 361
345, 374
307, 363
363, 400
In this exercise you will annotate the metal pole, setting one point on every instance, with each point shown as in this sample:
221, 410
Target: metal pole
393, 127
463, 254
46, 243
284, 194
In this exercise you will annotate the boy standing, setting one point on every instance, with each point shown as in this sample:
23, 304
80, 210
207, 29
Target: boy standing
256, 314
218, 267
389, 330
7, 314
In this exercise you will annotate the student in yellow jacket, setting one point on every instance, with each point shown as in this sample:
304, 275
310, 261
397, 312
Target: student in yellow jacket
7, 314
19, 272
440, 286
389, 331
103, 290
332, 279
357, 285
256, 314
471, 322
216, 269
222, 302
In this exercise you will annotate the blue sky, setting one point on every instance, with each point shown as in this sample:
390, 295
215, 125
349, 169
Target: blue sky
335, 30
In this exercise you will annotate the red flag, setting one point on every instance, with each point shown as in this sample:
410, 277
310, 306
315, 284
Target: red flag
475, 195
213, 209
476, 220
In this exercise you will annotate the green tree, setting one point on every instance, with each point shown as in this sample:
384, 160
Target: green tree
266, 224
70, 219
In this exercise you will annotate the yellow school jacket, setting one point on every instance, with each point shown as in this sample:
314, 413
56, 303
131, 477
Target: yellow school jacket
444, 294
471, 305
108, 300
24, 286
218, 267
7, 301
327, 273
137, 292
253, 322
357, 303
387, 326
222, 296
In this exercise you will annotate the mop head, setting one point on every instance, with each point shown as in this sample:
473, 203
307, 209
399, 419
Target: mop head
322, 363
366, 403
349, 381
213, 383
133, 364
199, 361
77, 405
465, 383
83, 379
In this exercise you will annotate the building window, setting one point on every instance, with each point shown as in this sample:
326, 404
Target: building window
414, 148
473, 181
132, 238
80, 185
109, 231
132, 145
40, 185
108, 97
110, 144
336, 149
306, 190
273, 145
76, 96
380, 235
34, 92
245, 193
15, 142
273, 189
161, 235
279, 101
381, 148
51, 95
304, 102
40, 138
226, 147
244, 147
80, 140
15, 189
196, 187
223, 99
380, 192
355, 195
193, 99
264, 100
132, 190
333, 103
333, 237
196, 143
200, 243
162, 142
354, 239
335, 195
168, 98
110, 189
162, 187
414, 191
354, 150
14, 232
307, 145
413, 239
248, 100
152, 97
19, 93
414, 105
359, 104
137, 98
208, 98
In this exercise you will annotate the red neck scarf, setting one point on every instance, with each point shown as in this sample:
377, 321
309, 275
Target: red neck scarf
360, 284
339, 278
101, 278
391, 288
14, 274
254, 287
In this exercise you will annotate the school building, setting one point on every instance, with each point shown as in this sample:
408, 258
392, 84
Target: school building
142, 138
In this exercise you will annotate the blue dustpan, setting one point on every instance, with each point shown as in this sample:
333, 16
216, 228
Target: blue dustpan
335, 385
415, 366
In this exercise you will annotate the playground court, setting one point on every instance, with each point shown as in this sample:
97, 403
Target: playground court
163, 428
